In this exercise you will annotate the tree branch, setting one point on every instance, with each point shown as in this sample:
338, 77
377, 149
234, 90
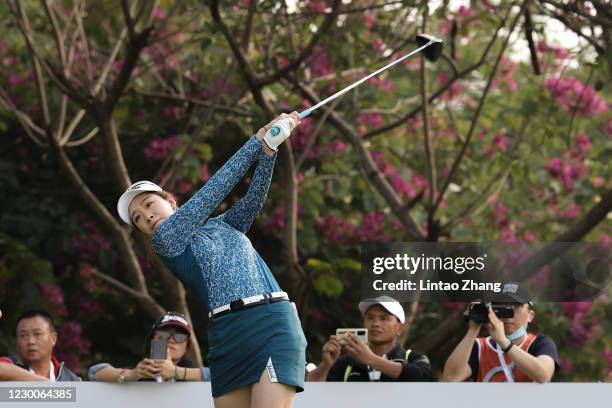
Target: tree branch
481, 102
367, 163
402, 121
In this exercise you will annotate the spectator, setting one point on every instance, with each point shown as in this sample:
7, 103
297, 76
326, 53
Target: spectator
176, 367
510, 353
35, 339
382, 359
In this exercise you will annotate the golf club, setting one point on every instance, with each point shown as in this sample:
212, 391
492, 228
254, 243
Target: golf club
431, 47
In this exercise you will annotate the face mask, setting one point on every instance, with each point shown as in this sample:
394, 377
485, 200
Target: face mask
517, 334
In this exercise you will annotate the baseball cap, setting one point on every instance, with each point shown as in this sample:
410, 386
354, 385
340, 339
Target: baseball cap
174, 319
513, 292
126, 198
391, 305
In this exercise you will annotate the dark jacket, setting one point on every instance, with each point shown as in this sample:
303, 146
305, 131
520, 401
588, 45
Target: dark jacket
415, 367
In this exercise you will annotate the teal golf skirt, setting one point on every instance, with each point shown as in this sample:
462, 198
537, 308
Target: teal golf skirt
244, 344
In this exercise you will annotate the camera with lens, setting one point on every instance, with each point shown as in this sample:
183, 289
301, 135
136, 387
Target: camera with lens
479, 312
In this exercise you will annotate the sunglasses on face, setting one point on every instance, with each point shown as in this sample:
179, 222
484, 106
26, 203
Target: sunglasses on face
178, 337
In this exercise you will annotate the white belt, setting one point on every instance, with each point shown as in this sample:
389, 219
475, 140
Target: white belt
249, 302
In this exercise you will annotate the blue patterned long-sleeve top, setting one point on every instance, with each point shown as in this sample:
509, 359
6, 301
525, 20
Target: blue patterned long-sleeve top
212, 256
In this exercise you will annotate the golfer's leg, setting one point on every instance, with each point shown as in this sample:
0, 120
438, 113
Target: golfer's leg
266, 394
240, 398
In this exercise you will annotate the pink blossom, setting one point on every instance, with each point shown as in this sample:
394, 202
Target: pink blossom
378, 45
275, 222
54, 297
90, 241
444, 27
158, 13
371, 119
317, 6
583, 142
90, 283
540, 280
336, 146
319, 63
598, 181
508, 234
369, 19
204, 175
582, 329
608, 128
500, 141
608, 357
160, 148
335, 229
506, 75
182, 186
499, 213
572, 211
566, 173
72, 345
571, 309
530, 236
454, 90
169, 112
382, 83
604, 238
465, 11
567, 365
371, 228
574, 96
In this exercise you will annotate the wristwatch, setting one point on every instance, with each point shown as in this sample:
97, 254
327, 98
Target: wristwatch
121, 378
507, 349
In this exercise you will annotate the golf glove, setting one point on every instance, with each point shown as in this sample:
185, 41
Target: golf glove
279, 132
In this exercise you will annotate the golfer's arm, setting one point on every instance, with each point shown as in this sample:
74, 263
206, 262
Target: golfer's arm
540, 369
11, 372
241, 215
457, 367
174, 234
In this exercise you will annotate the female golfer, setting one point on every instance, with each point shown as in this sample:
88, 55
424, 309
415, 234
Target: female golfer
256, 344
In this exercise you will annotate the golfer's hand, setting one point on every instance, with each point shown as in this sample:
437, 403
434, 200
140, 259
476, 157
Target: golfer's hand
284, 125
331, 351
261, 133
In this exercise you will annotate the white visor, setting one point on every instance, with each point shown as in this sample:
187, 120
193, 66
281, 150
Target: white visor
126, 198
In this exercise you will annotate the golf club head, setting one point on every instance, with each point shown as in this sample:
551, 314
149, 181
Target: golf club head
432, 53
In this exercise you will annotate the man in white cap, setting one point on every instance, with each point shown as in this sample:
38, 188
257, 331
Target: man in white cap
382, 358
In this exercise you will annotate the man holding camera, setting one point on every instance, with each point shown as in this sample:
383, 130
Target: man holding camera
381, 358
510, 353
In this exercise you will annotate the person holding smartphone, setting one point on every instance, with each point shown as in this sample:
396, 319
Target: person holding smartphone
382, 358
171, 365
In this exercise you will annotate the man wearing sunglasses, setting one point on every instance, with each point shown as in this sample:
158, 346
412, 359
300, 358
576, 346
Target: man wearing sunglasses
175, 328
510, 353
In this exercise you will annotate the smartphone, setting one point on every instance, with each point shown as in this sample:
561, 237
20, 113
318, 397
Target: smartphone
361, 333
159, 346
